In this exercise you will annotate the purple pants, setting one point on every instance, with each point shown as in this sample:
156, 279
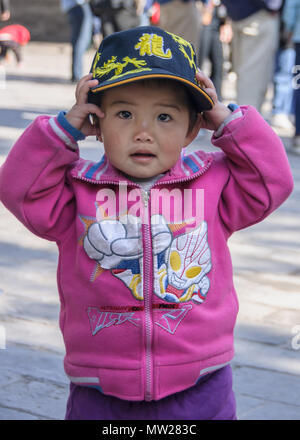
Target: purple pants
212, 398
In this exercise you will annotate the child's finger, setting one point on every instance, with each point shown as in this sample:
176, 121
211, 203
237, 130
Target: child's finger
83, 88
200, 80
82, 97
201, 77
81, 82
207, 85
94, 109
85, 78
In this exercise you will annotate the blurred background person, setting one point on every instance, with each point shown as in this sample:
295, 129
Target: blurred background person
182, 18
213, 15
291, 20
255, 40
81, 21
12, 37
97, 32
118, 15
146, 13
4, 10
283, 90
154, 13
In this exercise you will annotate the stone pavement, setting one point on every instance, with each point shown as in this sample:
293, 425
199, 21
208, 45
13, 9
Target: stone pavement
266, 258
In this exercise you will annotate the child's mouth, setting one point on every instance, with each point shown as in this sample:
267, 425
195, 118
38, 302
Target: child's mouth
142, 156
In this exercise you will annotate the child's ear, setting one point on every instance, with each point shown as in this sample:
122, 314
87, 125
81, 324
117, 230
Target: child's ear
99, 135
198, 123
192, 134
96, 124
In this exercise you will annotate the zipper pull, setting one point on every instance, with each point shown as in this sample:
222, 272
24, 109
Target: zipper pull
145, 197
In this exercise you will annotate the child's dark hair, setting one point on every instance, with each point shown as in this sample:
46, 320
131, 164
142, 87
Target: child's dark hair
165, 82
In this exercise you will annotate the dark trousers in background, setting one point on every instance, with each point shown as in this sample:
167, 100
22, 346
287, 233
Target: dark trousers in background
10, 45
283, 90
297, 89
81, 21
211, 49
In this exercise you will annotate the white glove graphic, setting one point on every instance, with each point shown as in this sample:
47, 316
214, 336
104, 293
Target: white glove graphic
111, 241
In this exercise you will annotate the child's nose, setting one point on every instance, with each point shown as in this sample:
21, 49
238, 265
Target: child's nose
143, 133
143, 136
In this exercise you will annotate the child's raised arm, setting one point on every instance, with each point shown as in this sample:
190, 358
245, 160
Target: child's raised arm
33, 179
78, 116
259, 176
212, 119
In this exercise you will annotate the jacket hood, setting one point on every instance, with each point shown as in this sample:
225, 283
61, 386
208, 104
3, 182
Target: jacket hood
188, 166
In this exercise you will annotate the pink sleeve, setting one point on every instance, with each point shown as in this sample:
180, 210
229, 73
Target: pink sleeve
260, 177
33, 179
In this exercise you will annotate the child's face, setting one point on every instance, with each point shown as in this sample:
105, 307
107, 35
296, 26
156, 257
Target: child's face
145, 128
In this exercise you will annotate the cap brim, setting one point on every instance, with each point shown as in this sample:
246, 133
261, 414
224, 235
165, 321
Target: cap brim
202, 100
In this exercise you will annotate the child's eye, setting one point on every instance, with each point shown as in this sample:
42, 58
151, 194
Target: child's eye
124, 114
164, 117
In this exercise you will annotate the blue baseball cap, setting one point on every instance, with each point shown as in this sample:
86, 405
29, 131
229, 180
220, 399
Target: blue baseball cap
147, 52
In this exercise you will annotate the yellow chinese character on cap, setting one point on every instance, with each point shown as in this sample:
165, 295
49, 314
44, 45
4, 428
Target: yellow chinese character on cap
152, 44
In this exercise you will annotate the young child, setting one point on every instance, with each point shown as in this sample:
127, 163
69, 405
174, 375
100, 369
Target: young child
148, 306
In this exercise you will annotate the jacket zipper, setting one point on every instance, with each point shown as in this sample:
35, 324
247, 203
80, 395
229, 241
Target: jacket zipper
147, 273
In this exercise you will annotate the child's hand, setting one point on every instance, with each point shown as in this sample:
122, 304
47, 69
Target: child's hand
212, 119
78, 116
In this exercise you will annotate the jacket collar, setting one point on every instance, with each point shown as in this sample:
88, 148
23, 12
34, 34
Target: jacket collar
187, 167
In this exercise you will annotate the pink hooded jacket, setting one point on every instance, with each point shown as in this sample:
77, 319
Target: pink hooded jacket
146, 288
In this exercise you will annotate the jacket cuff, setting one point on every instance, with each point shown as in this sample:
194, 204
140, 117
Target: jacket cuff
234, 115
64, 136
76, 134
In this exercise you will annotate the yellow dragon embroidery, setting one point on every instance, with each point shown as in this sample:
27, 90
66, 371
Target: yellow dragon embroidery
182, 45
113, 64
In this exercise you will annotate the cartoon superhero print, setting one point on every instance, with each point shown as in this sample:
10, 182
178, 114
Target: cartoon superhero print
181, 263
183, 266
